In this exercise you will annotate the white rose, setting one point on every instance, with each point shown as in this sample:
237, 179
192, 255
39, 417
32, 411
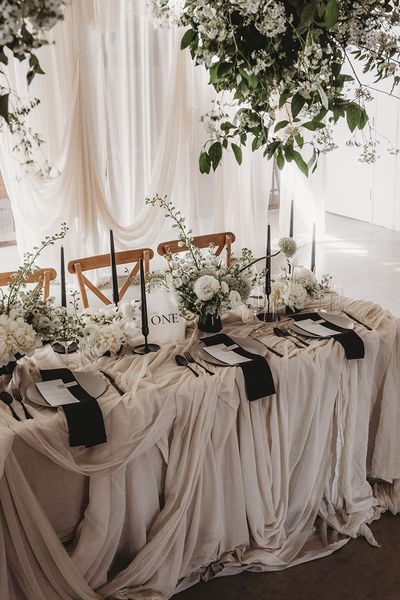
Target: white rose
205, 287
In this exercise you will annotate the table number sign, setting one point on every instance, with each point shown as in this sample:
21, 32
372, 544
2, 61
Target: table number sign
166, 325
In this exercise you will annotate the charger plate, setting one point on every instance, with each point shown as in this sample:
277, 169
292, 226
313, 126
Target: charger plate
92, 383
246, 343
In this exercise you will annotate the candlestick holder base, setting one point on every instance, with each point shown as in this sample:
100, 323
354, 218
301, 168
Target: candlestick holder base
267, 317
60, 349
146, 348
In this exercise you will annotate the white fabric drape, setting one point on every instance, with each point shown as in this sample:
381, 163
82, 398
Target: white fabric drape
238, 484
120, 108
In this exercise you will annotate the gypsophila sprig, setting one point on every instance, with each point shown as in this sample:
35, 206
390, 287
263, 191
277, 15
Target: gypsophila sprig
284, 63
204, 284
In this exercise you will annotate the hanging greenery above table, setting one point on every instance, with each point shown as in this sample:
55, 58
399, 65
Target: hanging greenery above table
287, 63
23, 27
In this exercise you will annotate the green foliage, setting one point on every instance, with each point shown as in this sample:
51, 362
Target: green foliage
284, 65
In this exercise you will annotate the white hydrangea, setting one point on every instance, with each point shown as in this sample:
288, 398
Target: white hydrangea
16, 337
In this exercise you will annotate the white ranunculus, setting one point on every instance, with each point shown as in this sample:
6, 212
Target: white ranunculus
205, 287
234, 299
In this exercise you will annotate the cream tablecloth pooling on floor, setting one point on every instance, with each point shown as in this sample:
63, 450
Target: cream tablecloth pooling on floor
196, 481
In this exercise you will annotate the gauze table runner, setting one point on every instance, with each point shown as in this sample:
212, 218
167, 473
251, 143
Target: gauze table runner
195, 481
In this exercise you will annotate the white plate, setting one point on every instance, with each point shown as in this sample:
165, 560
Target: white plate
333, 318
92, 383
246, 343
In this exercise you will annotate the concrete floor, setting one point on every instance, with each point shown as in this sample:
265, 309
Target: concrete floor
357, 571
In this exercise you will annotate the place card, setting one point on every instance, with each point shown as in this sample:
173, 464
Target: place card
225, 354
56, 392
315, 327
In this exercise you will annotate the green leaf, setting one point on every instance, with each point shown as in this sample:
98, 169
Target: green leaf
215, 152
204, 163
332, 13
284, 98
299, 140
280, 125
297, 104
298, 159
35, 64
354, 116
257, 141
187, 38
4, 107
280, 161
313, 125
324, 97
238, 153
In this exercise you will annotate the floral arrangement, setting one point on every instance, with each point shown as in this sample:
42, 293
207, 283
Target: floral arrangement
205, 285
294, 289
22, 31
284, 62
104, 332
25, 320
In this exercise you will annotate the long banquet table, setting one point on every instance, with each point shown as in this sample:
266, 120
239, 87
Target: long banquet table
194, 481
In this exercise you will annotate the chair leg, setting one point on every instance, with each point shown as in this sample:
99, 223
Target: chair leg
82, 288
46, 285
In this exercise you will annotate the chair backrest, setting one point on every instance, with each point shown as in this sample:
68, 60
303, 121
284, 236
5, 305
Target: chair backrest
90, 263
221, 240
41, 277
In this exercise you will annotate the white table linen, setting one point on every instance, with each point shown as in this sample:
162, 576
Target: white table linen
195, 481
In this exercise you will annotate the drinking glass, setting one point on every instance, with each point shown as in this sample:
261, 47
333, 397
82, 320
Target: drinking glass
336, 298
257, 300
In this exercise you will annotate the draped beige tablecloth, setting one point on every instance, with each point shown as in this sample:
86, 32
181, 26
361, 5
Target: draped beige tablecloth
195, 481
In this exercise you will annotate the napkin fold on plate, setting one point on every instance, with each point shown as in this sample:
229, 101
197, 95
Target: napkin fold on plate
350, 340
257, 373
84, 418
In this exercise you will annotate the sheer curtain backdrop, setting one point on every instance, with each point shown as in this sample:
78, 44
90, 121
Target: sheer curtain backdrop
120, 108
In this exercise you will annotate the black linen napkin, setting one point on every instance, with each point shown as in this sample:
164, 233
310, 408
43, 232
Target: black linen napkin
84, 418
257, 373
348, 338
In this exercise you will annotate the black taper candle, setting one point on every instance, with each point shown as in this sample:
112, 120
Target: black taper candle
313, 250
114, 277
291, 224
268, 263
145, 322
63, 288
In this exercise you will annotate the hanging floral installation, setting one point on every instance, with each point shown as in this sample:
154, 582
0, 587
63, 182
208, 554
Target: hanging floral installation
23, 28
290, 68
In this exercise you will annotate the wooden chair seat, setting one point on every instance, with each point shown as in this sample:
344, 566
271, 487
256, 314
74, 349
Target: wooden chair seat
41, 277
221, 240
90, 263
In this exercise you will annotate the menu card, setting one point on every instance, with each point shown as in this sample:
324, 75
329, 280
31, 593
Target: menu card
315, 327
225, 354
56, 392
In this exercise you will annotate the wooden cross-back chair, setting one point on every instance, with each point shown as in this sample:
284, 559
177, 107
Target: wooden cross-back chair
41, 277
90, 263
221, 240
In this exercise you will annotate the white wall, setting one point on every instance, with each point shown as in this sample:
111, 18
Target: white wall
369, 193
